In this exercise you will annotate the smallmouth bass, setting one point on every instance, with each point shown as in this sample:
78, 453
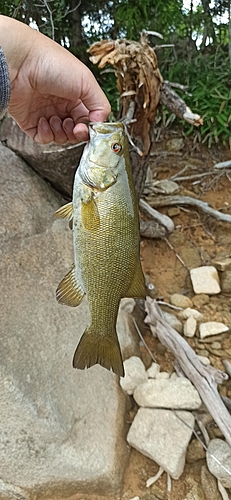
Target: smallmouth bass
105, 223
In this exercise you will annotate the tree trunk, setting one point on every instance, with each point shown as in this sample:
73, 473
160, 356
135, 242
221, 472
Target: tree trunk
209, 30
77, 41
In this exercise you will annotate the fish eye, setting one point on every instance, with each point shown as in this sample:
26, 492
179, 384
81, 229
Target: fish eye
116, 148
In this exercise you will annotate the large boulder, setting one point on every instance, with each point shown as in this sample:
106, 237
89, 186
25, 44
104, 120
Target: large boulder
57, 164
62, 430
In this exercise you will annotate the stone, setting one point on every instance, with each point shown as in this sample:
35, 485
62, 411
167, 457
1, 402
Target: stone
190, 327
52, 416
43, 157
162, 376
205, 279
173, 321
195, 493
135, 374
204, 360
177, 394
222, 452
175, 145
173, 211
212, 328
216, 345
225, 278
166, 186
188, 312
153, 370
163, 437
209, 485
195, 451
129, 339
190, 255
200, 300
176, 299
222, 264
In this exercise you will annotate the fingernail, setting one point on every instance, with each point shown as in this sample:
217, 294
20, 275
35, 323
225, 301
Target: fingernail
44, 124
55, 124
69, 126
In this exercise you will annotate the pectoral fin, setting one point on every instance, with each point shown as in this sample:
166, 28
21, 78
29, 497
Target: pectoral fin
90, 215
65, 212
137, 287
69, 292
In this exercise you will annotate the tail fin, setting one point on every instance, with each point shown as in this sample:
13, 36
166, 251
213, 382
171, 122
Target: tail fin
94, 348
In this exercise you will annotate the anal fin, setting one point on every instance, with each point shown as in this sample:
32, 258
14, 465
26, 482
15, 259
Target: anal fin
69, 292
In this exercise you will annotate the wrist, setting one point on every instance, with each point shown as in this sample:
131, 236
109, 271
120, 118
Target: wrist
16, 39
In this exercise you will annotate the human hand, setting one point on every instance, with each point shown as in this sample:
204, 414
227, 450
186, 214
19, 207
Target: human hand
53, 95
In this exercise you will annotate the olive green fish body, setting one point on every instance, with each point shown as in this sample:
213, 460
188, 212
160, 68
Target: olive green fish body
106, 243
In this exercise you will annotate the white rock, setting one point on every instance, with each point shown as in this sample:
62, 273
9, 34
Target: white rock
163, 437
178, 394
135, 374
173, 321
192, 312
204, 360
211, 328
190, 327
174, 376
153, 370
222, 452
205, 279
162, 375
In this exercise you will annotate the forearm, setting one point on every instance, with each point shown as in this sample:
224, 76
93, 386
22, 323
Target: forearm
16, 39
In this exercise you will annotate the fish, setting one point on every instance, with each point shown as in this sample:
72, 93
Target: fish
105, 222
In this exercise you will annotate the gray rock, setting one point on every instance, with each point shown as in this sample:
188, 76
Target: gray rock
211, 328
163, 437
172, 393
205, 279
128, 337
222, 452
135, 374
173, 321
190, 327
65, 158
222, 264
179, 300
209, 484
195, 451
167, 187
226, 281
52, 416
204, 360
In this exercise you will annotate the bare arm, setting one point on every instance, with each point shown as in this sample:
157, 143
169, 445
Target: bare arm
53, 95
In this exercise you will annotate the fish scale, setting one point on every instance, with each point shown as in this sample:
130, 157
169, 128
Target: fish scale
107, 267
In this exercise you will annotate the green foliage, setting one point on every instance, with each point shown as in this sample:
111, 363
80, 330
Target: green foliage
209, 81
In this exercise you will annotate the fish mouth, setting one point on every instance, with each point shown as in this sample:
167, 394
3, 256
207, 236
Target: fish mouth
104, 127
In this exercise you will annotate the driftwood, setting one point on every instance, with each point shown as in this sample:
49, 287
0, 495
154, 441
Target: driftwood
163, 201
204, 378
174, 103
161, 219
